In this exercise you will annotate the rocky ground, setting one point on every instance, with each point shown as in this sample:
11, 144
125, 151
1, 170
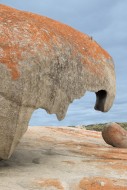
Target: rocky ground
64, 158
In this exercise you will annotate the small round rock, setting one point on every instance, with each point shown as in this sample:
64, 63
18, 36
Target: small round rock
113, 134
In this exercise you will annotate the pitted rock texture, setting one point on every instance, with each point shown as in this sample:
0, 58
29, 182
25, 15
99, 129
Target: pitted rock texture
46, 64
115, 135
64, 158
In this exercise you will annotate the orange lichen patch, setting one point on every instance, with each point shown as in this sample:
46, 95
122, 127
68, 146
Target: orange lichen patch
68, 132
99, 183
99, 152
8, 59
28, 34
1, 18
119, 166
50, 183
78, 133
115, 153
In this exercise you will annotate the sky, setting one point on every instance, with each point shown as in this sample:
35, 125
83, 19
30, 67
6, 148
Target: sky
104, 20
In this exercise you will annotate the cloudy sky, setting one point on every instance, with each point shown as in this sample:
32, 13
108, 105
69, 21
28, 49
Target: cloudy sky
104, 20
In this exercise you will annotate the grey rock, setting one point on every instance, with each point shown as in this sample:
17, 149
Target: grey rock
46, 64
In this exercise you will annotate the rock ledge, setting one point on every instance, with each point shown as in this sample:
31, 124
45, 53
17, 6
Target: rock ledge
64, 158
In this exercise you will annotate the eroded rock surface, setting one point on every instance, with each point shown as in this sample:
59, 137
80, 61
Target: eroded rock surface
115, 135
52, 158
46, 64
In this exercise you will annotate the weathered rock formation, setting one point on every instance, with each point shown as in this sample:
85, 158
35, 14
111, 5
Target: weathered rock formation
115, 135
63, 158
46, 64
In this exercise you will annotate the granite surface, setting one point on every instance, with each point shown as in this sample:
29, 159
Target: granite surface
64, 158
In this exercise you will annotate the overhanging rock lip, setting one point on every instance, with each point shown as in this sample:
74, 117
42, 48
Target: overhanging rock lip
104, 100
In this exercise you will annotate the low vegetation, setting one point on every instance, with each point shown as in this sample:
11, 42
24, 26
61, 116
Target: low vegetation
99, 127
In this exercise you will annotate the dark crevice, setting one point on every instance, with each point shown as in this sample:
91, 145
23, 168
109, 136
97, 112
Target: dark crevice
100, 100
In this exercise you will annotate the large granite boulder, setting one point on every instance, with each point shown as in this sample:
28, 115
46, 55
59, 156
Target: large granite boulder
46, 64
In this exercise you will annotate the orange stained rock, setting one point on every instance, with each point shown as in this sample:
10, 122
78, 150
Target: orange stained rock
82, 165
24, 34
51, 183
99, 183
